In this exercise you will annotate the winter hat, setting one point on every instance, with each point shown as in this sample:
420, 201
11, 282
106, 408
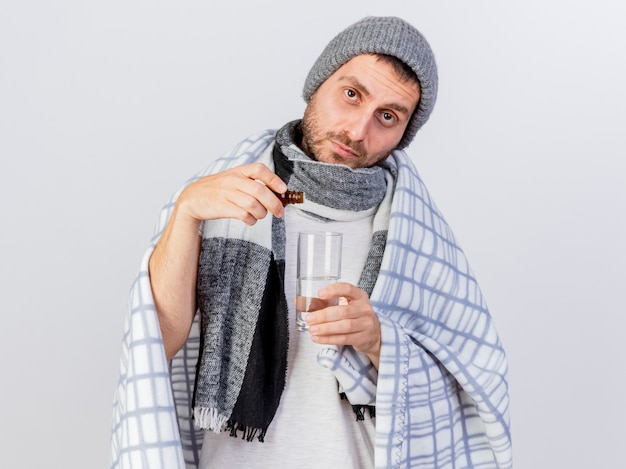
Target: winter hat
382, 35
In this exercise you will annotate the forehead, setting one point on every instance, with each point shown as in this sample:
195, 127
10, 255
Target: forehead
377, 78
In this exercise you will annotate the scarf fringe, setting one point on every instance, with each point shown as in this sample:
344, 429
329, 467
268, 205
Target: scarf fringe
209, 419
359, 409
249, 433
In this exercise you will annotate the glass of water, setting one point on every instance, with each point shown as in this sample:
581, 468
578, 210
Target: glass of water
318, 265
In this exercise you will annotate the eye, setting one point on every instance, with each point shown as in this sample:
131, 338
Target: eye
350, 94
388, 118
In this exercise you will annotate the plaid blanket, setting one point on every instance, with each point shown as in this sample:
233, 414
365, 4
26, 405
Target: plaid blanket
441, 394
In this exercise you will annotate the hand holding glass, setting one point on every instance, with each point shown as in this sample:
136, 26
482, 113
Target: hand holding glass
318, 265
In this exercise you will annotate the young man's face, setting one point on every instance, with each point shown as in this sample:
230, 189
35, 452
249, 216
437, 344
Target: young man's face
358, 115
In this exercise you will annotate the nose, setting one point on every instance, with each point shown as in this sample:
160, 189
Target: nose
356, 126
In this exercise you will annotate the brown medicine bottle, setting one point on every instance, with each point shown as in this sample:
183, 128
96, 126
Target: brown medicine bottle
291, 197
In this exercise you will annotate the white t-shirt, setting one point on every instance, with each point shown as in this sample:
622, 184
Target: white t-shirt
313, 427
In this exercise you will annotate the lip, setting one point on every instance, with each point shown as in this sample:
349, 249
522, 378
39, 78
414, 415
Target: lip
343, 150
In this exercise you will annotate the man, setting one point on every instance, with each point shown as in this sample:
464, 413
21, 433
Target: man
407, 371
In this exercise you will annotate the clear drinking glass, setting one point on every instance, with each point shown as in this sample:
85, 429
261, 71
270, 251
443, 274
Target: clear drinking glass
318, 265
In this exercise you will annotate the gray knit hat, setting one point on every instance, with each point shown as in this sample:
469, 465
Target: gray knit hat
382, 35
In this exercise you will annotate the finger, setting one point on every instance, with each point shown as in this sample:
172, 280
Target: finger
343, 319
262, 173
363, 336
265, 190
333, 328
342, 290
249, 203
308, 304
360, 340
269, 200
254, 196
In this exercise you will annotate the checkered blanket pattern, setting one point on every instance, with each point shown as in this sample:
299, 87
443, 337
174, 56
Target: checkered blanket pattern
441, 391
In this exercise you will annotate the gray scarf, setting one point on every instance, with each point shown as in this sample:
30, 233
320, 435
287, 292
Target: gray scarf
240, 291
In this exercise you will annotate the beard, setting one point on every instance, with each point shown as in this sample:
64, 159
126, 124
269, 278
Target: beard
316, 142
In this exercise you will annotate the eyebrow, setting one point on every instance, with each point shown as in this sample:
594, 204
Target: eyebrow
354, 81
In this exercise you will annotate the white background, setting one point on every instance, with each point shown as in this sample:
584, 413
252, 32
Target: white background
107, 107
